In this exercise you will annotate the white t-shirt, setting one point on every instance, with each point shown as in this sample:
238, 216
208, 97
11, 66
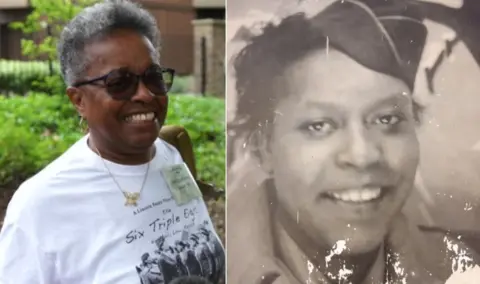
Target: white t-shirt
69, 224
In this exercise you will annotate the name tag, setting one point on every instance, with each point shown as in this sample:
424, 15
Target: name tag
181, 183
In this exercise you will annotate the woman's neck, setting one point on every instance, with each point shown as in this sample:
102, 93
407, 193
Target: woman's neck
113, 155
310, 259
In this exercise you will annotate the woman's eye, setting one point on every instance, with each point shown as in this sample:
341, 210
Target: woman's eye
388, 120
318, 128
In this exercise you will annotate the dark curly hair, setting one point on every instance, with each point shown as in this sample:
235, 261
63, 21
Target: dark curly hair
263, 61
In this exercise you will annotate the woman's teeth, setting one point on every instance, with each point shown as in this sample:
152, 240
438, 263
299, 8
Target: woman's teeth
357, 195
140, 117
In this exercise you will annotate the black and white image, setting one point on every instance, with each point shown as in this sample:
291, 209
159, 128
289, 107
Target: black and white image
196, 254
353, 141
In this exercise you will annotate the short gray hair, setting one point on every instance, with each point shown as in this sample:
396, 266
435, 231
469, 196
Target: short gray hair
95, 22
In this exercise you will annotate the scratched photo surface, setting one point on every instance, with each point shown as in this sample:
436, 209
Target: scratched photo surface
353, 141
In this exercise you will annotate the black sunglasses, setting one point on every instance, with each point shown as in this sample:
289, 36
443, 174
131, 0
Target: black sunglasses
122, 84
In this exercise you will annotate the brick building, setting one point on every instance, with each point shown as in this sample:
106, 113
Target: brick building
177, 21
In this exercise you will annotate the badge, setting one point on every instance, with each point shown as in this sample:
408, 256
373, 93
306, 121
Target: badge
181, 183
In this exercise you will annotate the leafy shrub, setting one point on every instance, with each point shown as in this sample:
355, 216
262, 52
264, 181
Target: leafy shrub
204, 118
37, 128
21, 77
182, 84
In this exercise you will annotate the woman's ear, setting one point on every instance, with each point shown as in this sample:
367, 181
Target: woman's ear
77, 99
262, 141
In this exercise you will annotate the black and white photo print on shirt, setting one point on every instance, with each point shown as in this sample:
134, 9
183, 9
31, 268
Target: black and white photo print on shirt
179, 242
194, 254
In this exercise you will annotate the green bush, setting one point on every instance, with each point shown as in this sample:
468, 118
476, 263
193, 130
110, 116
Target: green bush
37, 128
182, 84
21, 77
204, 118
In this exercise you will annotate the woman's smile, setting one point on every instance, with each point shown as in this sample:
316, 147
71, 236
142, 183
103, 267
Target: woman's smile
357, 195
141, 125
362, 203
146, 121
140, 118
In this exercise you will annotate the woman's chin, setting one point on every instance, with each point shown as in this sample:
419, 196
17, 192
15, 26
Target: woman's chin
357, 241
362, 247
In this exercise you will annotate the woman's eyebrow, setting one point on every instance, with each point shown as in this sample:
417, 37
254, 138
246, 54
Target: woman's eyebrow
394, 99
324, 106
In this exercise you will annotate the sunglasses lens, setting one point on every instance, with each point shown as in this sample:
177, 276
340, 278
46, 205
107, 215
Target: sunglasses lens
121, 84
168, 79
157, 80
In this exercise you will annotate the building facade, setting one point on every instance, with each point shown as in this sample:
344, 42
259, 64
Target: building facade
175, 20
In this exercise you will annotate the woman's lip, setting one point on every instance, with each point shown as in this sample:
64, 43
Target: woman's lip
145, 122
155, 113
357, 195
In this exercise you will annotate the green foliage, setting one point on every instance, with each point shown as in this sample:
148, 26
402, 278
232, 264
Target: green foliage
204, 118
42, 29
48, 17
182, 84
20, 77
35, 130
38, 128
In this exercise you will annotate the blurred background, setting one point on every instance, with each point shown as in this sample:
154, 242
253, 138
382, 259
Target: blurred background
448, 84
37, 121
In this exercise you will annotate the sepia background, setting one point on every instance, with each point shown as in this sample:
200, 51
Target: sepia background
448, 83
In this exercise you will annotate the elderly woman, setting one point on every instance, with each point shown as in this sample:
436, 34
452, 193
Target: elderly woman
93, 214
327, 103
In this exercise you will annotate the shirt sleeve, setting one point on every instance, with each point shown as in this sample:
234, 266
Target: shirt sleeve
21, 261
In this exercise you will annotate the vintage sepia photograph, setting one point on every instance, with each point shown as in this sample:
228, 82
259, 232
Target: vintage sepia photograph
112, 142
353, 147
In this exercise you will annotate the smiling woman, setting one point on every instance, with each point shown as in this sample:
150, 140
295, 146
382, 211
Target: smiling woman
327, 104
119, 206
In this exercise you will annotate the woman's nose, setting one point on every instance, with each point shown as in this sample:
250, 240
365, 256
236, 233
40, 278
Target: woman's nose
142, 94
361, 149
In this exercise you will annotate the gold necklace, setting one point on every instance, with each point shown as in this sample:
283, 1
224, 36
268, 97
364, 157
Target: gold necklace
131, 198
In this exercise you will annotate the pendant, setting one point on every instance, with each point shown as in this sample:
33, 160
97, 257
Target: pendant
131, 198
